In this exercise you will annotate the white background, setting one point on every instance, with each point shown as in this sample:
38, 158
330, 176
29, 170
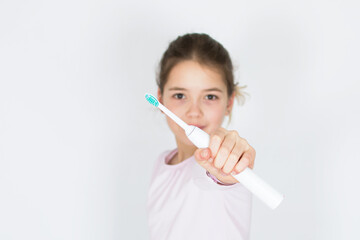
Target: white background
78, 139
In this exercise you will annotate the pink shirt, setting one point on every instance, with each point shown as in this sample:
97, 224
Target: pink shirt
185, 203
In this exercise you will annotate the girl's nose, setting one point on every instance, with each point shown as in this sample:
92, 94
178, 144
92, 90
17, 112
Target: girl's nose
194, 110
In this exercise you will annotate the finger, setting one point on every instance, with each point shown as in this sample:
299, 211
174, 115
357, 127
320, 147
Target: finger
205, 163
244, 162
253, 155
234, 157
225, 149
215, 141
202, 154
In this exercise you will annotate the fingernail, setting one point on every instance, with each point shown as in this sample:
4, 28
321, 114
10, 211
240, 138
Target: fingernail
204, 153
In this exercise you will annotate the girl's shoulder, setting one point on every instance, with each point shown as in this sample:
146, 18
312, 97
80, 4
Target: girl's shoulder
166, 156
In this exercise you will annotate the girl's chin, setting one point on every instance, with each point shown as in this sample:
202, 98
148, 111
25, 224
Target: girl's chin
184, 141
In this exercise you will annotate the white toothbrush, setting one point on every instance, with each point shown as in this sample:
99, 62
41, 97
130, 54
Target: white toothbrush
248, 178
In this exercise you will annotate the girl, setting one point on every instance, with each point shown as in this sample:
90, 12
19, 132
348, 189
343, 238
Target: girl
192, 194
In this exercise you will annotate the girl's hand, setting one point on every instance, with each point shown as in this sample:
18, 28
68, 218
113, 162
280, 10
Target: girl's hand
227, 153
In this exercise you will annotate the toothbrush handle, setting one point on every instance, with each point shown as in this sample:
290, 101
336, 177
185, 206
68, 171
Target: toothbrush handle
248, 178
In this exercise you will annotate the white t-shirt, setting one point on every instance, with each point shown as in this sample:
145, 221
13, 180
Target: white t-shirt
184, 203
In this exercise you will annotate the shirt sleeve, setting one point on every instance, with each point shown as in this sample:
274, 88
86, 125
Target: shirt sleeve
217, 180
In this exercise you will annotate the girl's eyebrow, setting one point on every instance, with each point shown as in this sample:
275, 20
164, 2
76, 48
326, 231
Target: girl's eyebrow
205, 90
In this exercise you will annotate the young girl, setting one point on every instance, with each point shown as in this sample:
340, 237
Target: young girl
192, 193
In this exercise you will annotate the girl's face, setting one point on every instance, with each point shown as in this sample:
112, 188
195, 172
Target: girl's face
198, 95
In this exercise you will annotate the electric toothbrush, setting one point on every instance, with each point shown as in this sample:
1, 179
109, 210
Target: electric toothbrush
247, 177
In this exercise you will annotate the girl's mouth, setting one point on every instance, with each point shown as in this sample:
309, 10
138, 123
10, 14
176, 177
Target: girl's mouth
199, 126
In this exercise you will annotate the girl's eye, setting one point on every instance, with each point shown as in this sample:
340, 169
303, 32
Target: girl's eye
208, 97
212, 97
179, 95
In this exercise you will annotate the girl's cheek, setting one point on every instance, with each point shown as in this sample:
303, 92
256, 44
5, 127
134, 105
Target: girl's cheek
217, 117
215, 111
176, 107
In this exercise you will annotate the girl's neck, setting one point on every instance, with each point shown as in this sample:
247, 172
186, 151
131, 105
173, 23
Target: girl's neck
184, 152
179, 157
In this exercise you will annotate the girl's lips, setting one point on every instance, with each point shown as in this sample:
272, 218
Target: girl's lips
201, 127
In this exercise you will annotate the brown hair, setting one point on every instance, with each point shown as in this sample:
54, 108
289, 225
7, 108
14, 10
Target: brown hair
205, 50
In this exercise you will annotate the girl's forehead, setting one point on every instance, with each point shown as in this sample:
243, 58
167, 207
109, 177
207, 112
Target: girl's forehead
190, 75
196, 85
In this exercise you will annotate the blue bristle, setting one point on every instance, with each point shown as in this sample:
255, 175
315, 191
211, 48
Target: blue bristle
151, 99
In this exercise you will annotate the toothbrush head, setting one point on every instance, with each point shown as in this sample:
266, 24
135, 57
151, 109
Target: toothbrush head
151, 99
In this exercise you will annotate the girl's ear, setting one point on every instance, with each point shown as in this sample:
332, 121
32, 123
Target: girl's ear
159, 97
230, 104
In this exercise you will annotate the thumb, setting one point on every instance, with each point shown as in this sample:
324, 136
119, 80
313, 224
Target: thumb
202, 154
